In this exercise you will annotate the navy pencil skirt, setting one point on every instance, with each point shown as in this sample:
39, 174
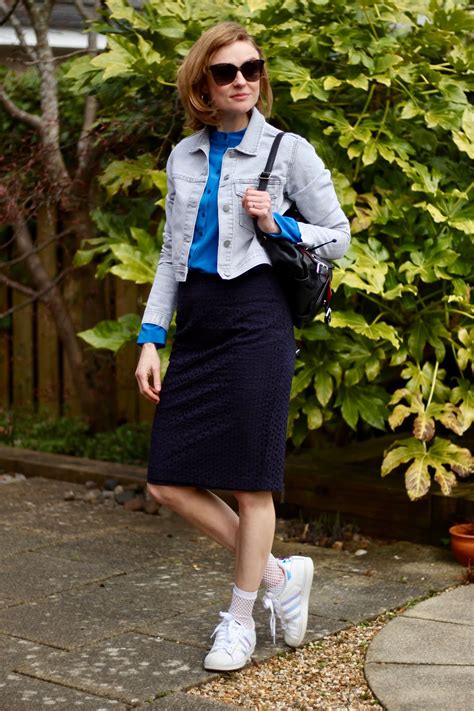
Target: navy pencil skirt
222, 417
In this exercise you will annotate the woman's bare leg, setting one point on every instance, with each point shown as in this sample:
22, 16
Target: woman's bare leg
203, 509
254, 537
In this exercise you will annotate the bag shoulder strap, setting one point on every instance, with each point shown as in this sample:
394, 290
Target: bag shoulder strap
265, 177
266, 173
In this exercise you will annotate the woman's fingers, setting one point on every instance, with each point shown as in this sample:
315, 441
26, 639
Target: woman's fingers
149, 367
257, 202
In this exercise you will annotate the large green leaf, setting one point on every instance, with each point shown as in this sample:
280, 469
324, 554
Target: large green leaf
112, 335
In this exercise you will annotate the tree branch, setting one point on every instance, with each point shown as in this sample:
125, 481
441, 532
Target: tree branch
35, 250
16, 112
36, 295
84, 11
16, 24
18, 287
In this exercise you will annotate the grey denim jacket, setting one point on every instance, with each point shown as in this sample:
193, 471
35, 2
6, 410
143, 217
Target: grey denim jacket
298, 175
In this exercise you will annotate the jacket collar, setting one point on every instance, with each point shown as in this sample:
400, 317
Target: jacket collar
250, 142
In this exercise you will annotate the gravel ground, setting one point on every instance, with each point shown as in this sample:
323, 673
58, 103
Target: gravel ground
325, 675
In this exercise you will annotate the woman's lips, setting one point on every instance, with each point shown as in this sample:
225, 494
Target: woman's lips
239, 96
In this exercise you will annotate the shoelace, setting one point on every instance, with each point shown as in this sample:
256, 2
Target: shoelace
272, 603
225, 630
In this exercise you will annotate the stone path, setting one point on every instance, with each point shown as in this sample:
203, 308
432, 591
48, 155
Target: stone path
424, 658
103, 608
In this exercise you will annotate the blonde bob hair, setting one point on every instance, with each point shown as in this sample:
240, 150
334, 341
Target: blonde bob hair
193, 72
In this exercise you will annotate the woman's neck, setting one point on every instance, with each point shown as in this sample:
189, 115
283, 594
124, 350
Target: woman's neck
233, 122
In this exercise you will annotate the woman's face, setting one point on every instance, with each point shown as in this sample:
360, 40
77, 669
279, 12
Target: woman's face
240, 95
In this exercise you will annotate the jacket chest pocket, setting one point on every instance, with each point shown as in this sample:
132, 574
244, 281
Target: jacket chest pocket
245, 220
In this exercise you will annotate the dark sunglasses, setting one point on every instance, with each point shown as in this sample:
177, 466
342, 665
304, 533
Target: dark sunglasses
225, 73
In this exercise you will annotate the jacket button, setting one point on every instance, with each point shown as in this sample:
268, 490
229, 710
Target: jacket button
226, 208
230, 154
227, 243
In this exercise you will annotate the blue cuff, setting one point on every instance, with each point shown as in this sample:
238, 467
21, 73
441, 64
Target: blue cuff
151, 333
289, 228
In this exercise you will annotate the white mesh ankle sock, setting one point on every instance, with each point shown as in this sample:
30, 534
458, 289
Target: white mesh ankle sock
273, 575
241, 606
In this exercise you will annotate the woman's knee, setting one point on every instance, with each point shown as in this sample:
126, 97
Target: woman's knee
166, 495
253, 499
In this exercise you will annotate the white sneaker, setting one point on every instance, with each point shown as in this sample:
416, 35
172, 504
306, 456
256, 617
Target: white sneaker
233, 646
291, 603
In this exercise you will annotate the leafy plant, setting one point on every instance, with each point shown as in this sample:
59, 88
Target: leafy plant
381, 90
127, 443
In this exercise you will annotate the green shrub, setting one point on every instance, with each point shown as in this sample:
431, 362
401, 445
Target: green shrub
381, 90
127, 444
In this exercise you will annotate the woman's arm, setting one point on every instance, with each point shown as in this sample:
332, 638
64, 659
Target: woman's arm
310, 186
162, 298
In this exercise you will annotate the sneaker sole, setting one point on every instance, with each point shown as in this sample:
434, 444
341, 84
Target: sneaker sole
230, 667
308, 581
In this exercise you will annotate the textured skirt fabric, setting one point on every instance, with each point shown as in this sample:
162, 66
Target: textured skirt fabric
222, 416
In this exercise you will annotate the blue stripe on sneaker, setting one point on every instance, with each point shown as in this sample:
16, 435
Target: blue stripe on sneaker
295, 617
290, 599
290, 609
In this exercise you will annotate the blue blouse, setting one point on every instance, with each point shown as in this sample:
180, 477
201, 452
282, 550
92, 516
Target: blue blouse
203, 252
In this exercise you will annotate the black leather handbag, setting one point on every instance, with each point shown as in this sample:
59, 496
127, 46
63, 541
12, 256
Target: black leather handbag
304, 277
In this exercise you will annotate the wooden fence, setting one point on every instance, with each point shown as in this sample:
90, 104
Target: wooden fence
34, 373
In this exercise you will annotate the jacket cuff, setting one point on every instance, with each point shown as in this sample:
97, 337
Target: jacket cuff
289, 228
151, 333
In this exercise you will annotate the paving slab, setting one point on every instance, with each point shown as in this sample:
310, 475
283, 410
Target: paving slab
70, 518
95, 612
130, 668
457, 606
14, 541
424, 658
34, 494
31, 575
354, 597
422, 642
125, 550
18, 691
22, 693
407, 562
416, 687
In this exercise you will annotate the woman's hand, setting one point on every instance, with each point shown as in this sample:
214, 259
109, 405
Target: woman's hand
258, 203
149, 365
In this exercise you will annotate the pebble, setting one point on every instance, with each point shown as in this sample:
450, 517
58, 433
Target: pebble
124, 495
118, 489
151, 507
93, 496
338, 545
69, 496
11, 477
135, 504
361, 551
111, 484
91, 484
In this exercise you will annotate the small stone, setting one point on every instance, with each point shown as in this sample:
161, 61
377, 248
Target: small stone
124, 496
92, 496
118, 489
338, 545
110, 484
105, 494
356, 537
91, 484
69, 496
151, 507
360, 551
135, 504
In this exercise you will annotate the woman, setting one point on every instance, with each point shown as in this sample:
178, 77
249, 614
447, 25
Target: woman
222, 411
